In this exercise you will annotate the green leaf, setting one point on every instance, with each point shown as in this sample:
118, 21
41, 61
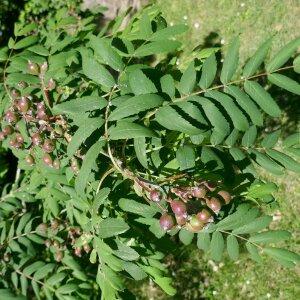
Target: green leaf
203, 241
183, 117
80, 105
33, 268
66, 289
88, 126
43, 271
282, 254
128, 130
111, 227
157, 47
282, 56
140, 151
217, 246
25, 42
230, 61
96, 72
188, 80
236, 115
168, 32
209, 70
24, 30
261, 189
296, 64
271, 139
288, 162
285, 83
134, 207
126, 253
249, 137
23, 222
262, 98
246, 104
232, 247
254, 226
272, 236
186, 157
165, 284
135, 105
253, 251
185, 236
232, 138
140, 83
292, 140
267, 163
168, 85
134, 270
39, 49
109, 55
257, 59
88, 162
213, 114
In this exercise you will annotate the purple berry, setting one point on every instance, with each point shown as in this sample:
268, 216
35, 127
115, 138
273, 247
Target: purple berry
166, 222
154, 196
178, 207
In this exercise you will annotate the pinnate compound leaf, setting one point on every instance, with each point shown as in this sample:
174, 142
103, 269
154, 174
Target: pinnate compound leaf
257, 59
129, 130
232, 247
80, 105
249, 137
288, 162
230, 61
25, 42
282, 56
292, 140
135, 105
262, 98
186, 236
88, 126
188, 80
140, 83
111, 227
168, 32
108, 54
285, 83
246, 104
254, 226
95, 71
272, 236
254, 253
203, 241
271, 139
88, 162
236, 115
267, 163
134, 207
157, 47
135, 271
217, 246
282, 255
209, 70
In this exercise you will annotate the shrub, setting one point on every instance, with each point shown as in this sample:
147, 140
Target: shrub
117, 149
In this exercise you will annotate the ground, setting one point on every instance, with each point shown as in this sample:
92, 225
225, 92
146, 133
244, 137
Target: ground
216, 22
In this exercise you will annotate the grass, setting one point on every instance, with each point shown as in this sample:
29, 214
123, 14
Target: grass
212, 23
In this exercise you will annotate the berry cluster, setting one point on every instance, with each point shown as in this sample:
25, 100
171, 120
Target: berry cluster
42, 127
192, 207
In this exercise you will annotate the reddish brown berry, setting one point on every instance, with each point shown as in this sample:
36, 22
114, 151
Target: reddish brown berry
181, 219
15, 94
48, 146
59, 256
32, 68
2, 136
42, 228
36, 139
13, 143
166, 222
199, 191
56, 164
178, 207
77, 251
7, 130
47, 159
210, 185
19, 138
54, 224
42, 115
225, 195
29, 160
86, 248
195, 224
155, 195
23, 105
214, 204
11, 117
204, 215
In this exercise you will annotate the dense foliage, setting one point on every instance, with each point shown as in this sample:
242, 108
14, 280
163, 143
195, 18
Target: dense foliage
117, 149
